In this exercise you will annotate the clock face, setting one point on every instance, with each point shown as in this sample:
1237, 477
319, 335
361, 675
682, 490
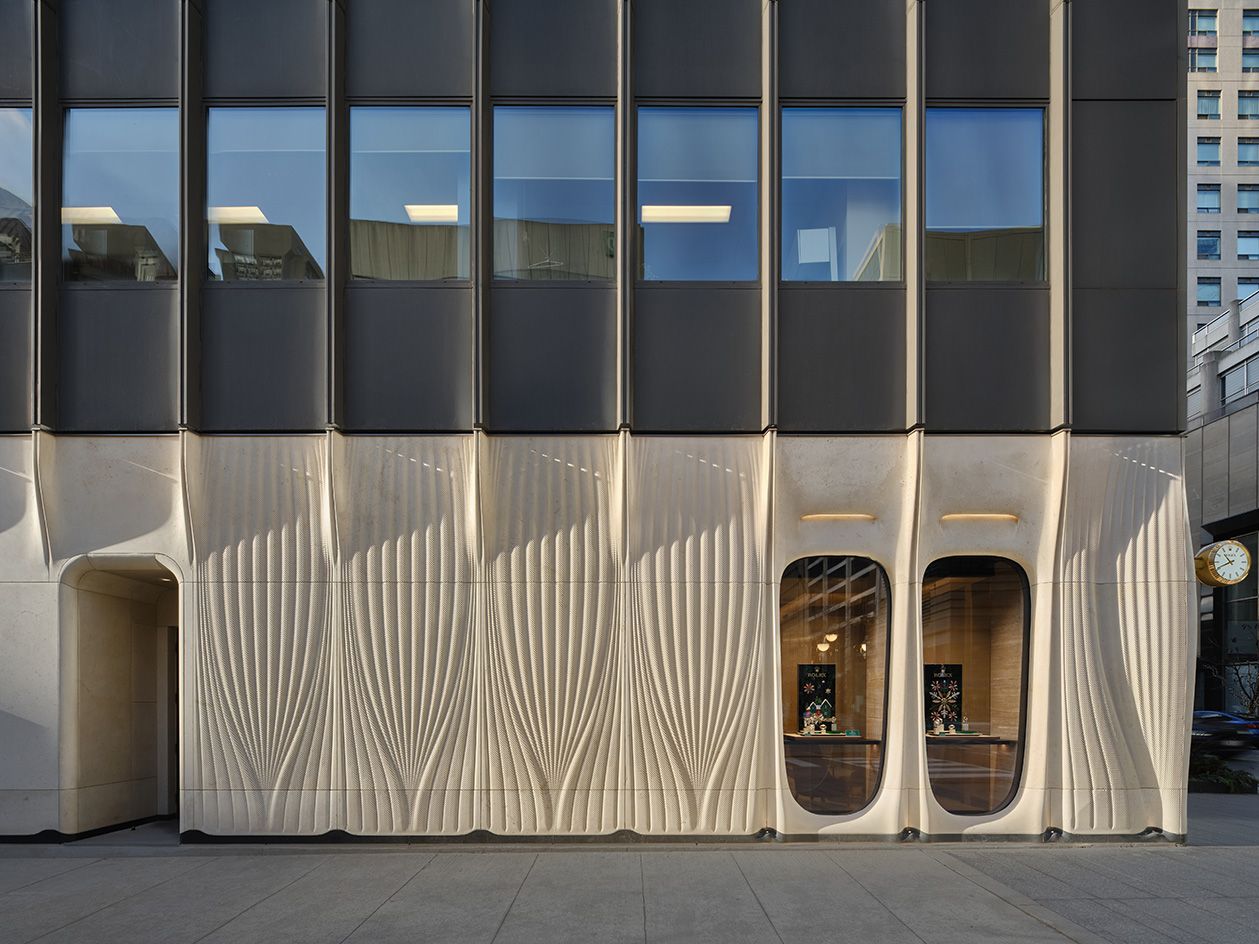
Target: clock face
1231, 561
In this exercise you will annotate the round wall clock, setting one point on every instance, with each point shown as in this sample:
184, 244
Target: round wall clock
1222, 564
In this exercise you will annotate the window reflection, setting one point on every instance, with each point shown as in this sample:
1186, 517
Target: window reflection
985, 194
841, 194
974, 628
120, 195
834, 616
266, 193
17, 194
697, 194
554, 195
409, 193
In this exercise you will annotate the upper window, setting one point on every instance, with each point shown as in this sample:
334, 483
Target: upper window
1248, 105
1208, 292
1208, 244
266, 194
841, 194
1202, 22
1209, 105
1248, 151
1201, 60
120, 195
1209, 152
1247, 287
1250, 60
410, 172
1208, 198
697, 194
17, 194
554, 193
974, 651
985, 194
834, 614
1248, 198
1248, 245
1250, 22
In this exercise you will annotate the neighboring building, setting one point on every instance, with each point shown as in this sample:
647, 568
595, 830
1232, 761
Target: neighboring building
1222, 474
572, 417
1223, 155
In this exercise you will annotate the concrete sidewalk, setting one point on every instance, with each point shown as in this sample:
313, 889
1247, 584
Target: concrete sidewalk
136, 887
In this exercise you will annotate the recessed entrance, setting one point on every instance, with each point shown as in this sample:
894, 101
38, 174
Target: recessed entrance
120, 694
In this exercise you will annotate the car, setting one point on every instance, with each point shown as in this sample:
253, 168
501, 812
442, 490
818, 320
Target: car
1221, 733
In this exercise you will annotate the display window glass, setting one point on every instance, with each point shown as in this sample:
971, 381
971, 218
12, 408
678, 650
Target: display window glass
975, 616
834, 614
17, 195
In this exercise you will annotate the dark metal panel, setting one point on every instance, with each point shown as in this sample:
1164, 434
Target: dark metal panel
1125, 219
697, 359
550, 359
17, 30
409, 355
987, 49
120, 49
1242, 481
706, 48
841, 360
1126, 372
263, 358
841, 50
272, 49
192, 136
119, 360
987, 359
561, 47
1126, 49
16, 386
411, 47
1215, 471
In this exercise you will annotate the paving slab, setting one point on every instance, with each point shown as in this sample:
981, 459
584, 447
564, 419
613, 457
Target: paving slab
701, 897
18, 873
592, 897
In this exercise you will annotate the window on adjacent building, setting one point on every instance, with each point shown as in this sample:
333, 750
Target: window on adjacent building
1248, 198
1208, 198
1209, 152
410, 173
1248, 244
975, 621
1208, 292
1194, 404
1233, 383
17, 194
1202, 22
841, 194
1248, 105
985, 194
1209, 105
1250, 60
697, 194
1250, 22
1208, 244
1202, 60
554, 193
266, 194
120, 195
835, 619
1248, 152
1247, 286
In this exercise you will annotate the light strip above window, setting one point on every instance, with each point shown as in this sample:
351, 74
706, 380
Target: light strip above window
839, 516
432, 212
83, 216
241, 214
686, 214
981, 516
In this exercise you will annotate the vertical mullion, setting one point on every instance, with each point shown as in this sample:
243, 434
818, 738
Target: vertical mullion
481, 209
771, 118
46, 257
915, 217
626, 212
192, 202
338, 165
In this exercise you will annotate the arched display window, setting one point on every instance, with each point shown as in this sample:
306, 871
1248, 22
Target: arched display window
975, 618
835, 621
